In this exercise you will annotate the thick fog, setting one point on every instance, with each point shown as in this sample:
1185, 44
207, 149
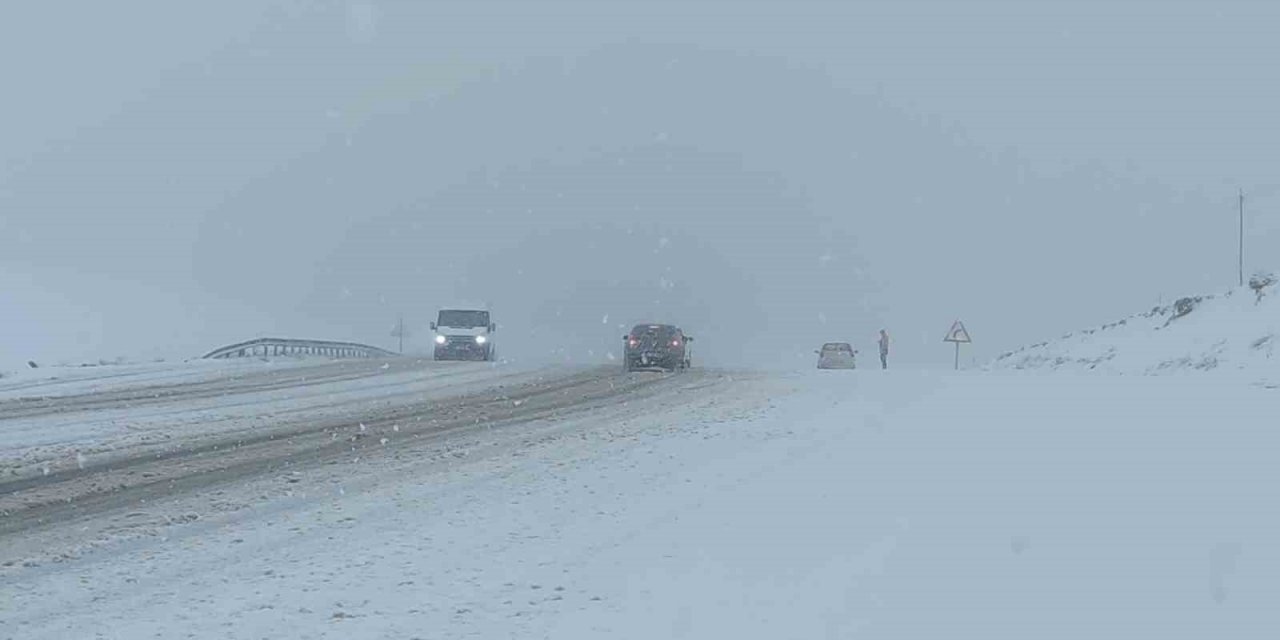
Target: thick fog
768, 174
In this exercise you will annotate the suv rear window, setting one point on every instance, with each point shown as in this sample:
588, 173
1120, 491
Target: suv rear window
654, 329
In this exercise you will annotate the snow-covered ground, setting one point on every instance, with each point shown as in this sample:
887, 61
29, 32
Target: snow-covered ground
1233, 333
882, 504
59, 381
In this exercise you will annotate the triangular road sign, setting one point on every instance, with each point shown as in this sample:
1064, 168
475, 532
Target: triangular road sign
958, 333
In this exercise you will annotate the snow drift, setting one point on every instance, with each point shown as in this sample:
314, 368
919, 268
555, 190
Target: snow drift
1234, 331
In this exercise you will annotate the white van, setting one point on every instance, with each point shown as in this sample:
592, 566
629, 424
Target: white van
464, 334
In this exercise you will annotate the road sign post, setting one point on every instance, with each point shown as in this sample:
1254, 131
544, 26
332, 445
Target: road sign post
958, 335
400, 332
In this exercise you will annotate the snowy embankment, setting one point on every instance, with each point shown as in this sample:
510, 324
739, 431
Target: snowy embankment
832, 504
57, 381
1232, 332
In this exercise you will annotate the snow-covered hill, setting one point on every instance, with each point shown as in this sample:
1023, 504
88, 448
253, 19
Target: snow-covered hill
1235, 331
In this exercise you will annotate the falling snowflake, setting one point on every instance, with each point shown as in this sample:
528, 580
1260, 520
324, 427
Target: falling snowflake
80, 460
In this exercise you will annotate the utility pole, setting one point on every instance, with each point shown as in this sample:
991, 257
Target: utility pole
399, 332
1241, 254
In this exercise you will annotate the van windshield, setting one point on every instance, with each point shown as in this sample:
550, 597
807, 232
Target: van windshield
463, 319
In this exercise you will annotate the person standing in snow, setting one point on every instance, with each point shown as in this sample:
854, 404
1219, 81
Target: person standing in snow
884, 349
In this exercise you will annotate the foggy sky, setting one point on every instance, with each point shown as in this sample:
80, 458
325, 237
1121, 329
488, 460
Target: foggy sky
769, 174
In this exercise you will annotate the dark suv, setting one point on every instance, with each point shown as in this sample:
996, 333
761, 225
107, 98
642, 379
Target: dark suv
656, 346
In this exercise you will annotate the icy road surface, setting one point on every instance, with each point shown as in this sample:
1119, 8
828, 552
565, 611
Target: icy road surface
711, 505
93, 417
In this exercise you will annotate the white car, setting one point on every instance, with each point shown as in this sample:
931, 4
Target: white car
836, 355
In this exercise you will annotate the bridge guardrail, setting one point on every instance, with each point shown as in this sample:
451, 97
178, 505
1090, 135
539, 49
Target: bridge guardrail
290, 346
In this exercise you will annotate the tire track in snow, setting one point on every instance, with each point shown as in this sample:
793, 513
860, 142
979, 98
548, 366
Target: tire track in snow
31, 505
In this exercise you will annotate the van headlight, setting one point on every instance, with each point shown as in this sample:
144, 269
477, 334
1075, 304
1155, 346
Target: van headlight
481, 339
440, 339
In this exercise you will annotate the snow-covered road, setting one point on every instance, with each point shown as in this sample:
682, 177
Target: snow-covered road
901, 505
370, 412
92, 417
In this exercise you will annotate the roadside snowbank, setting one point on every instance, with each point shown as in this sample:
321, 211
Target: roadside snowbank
1230, 332
57, 381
